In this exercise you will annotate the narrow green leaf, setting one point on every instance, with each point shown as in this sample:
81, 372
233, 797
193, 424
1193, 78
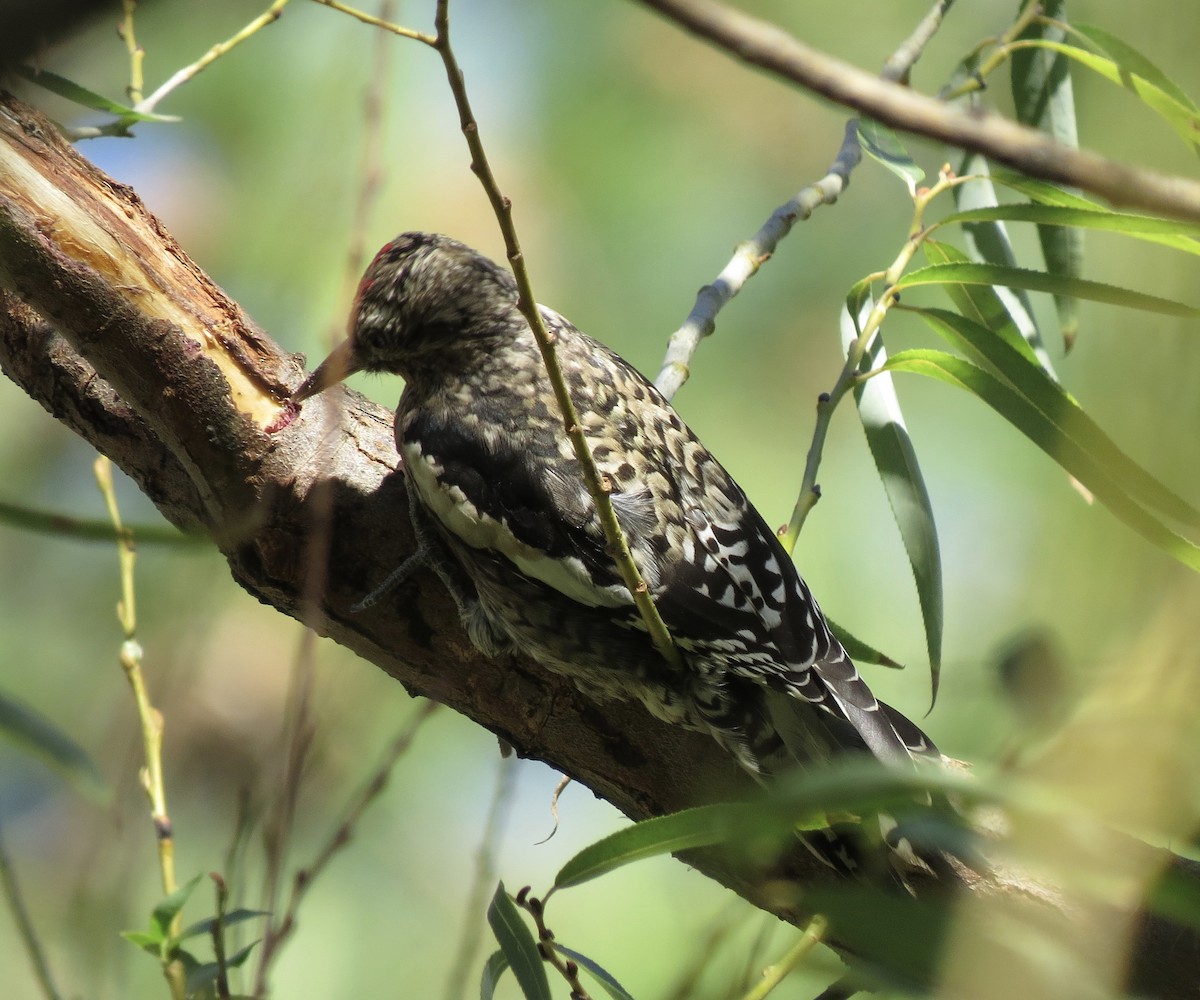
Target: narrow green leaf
859, 651
30, 729
1044, 99
880, 143
493, 969
1131, 60
1040, 281
1051, 194
1179, 116
1002, 309
1059, 407
856, 784
1181, 235
1015, 408
238, 958
1043, 192
605, 978
680, 831
516, 941
983, 304
967, 70
151, 942
169, 907
200, 980
88, 98
235, 917
896, 460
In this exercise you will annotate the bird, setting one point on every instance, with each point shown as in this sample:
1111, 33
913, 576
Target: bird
501, 513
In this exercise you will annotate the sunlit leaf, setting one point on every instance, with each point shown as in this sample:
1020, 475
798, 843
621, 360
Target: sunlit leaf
149, 942
89, 99
900, 472
1023, 415
987, 242
1179, 116
1044, 99
702, 826
854, 784
1181, 235
1043, 192
1129, 58
170, 906
881, 144
516, 941
1060, 408
984, 305
1051, 194
1040, 281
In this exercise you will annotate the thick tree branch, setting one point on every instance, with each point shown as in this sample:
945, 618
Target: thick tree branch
156, 366
769, 47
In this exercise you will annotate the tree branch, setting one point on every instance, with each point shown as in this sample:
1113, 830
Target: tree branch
153, 364
769, 47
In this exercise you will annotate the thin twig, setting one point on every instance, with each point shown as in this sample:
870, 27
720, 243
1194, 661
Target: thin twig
749, 256
371, 159
828, 401
218, 934
900, 63
706, 951
137, 55
149, 717
462, 964
773, 975
305, 876
25, 928
996, 58
599, 487
89, 530
754, 252
565, 967
769, 47
269, 16
299, 730
381, 22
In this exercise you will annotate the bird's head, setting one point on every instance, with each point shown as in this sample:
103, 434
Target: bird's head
425, 303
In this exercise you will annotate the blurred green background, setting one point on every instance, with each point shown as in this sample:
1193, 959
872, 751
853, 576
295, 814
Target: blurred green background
636, 159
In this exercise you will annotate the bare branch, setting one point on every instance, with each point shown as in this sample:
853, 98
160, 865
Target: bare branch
754, 252
769, 47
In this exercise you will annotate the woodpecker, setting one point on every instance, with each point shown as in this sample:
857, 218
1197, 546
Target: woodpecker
497, 497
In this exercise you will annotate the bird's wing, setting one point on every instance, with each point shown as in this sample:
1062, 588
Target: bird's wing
503, 499
734, 596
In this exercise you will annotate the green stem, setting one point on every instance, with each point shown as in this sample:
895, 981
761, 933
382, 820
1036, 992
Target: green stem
150, 718
809, 491
773, 975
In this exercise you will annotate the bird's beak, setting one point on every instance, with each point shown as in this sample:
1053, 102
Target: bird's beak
340, 363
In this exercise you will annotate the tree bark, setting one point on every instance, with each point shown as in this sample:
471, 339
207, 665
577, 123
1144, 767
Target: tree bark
106, 322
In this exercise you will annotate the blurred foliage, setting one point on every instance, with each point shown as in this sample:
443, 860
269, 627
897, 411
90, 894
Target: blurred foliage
636, 158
